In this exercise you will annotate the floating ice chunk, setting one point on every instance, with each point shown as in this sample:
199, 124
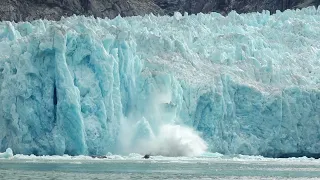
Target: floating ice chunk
7, 154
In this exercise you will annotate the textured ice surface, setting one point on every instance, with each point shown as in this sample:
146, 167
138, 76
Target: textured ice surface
248, 83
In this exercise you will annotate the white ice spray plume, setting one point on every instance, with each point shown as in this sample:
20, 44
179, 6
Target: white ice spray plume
171, 140
176, 140
162, 138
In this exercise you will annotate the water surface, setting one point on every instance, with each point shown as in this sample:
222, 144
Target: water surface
158, 168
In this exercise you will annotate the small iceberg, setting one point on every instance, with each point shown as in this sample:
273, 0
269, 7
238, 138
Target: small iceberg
7, 154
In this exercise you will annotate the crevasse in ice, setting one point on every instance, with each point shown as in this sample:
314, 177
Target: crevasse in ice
248, 83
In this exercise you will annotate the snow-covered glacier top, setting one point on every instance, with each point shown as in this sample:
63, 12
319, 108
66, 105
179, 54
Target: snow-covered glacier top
247, 83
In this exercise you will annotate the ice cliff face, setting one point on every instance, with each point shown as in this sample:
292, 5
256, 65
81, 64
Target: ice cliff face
249, 83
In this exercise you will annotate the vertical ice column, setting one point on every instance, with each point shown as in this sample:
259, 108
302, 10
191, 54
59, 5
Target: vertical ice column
68, 101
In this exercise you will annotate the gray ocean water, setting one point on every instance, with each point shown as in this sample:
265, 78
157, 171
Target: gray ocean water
57, 169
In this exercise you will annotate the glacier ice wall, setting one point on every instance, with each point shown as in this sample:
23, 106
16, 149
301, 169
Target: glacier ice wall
248, 83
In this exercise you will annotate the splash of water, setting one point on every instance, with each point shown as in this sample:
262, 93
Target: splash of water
176, 140
160, 135
171, 140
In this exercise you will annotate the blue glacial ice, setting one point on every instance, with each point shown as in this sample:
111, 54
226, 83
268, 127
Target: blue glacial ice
249, 83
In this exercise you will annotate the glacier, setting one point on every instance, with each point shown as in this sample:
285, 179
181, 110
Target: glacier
248, 83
